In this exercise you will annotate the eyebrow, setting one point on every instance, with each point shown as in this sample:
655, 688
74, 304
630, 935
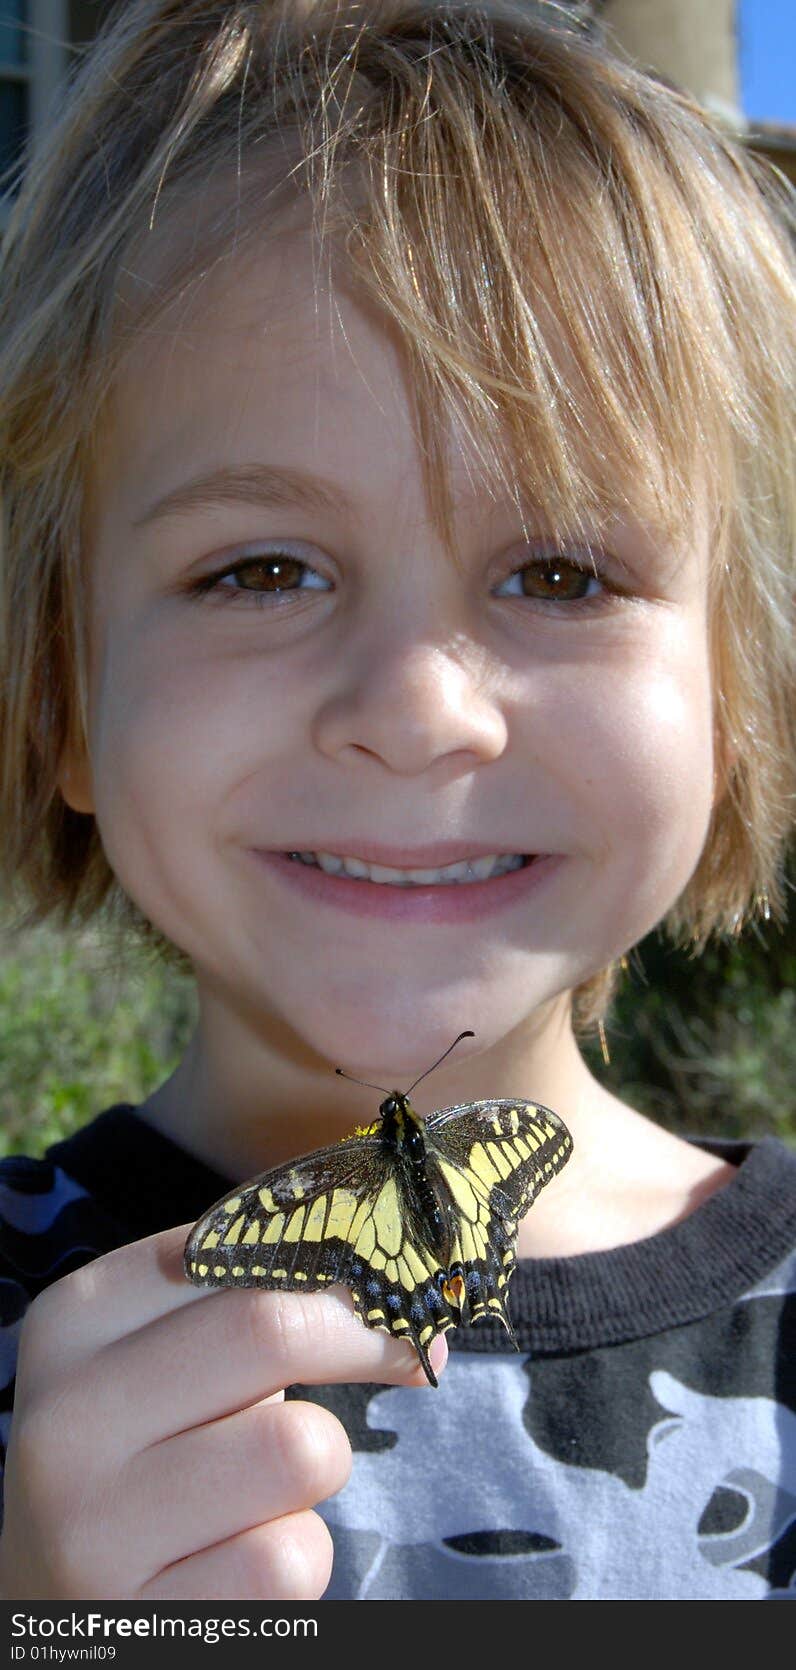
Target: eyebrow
260, 484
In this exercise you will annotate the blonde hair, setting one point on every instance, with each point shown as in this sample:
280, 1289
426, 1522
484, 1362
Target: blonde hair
503, 185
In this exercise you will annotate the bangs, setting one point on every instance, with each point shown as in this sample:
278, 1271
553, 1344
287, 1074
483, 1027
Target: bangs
554, 295
541, 259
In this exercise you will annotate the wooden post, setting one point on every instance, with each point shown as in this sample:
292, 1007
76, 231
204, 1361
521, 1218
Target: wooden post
693, 42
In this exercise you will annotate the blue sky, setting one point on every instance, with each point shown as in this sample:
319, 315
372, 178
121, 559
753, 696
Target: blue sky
767, 59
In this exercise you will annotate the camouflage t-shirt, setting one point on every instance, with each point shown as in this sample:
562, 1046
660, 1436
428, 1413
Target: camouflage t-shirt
641, 1446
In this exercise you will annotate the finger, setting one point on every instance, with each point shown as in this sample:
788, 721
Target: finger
204, 1486
112, 1296
212, 1359
288, 1559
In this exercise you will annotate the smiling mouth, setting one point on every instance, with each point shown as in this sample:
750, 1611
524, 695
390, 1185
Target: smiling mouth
464, 872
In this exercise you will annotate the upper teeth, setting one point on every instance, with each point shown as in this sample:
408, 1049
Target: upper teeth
469, 869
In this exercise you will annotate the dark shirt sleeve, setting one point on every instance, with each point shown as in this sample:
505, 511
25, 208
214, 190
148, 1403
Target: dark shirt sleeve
49, 1225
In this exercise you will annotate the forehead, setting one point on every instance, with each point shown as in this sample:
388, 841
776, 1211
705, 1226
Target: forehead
276, 340
271, 346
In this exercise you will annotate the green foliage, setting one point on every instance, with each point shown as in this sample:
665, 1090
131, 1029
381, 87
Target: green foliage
707, 1045
703, 1045
78, 1031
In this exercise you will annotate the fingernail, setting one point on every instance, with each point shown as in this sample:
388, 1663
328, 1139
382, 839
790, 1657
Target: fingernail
438, 1353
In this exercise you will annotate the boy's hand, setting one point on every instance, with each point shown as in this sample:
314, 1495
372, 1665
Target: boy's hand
152, 1454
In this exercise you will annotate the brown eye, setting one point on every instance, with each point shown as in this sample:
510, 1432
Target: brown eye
255, 579
558, 581
269, 573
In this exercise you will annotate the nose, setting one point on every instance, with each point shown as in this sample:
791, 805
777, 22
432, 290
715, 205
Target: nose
412, 704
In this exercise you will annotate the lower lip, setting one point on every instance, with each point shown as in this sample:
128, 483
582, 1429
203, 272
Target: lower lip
449, 902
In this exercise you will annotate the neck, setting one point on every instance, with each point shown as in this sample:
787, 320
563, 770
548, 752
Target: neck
244, 1104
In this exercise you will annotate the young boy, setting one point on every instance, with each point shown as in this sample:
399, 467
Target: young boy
395, 416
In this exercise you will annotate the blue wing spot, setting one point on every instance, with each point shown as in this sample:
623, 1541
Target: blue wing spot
393, 1300
373, 1288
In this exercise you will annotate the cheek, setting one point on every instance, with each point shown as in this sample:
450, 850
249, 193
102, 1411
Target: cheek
648, 762
175, 738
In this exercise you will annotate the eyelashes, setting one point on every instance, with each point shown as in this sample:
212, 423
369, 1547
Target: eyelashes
560, 580
552, 580
280, 568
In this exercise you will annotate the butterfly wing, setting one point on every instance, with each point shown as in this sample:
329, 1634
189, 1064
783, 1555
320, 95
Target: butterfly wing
343, 1214
338, 1215
289, 1227
490, 1160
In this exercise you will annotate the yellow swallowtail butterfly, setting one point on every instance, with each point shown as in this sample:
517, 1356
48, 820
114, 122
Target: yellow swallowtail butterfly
418, 1218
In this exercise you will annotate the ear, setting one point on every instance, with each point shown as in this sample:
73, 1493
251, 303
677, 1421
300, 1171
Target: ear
75, 779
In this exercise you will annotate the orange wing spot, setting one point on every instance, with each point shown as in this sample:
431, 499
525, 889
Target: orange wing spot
453, 1291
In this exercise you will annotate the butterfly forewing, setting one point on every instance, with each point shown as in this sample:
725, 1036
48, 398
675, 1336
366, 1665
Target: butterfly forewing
290, 1227
512, 1148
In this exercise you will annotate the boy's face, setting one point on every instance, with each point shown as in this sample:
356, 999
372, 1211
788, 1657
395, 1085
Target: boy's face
393, 696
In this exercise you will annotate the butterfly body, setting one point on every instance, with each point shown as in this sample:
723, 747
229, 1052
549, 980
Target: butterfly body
402, 1135
418, 1218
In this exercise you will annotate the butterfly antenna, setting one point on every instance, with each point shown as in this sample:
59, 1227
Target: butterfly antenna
442, 1058
423, 1074
361, 1081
